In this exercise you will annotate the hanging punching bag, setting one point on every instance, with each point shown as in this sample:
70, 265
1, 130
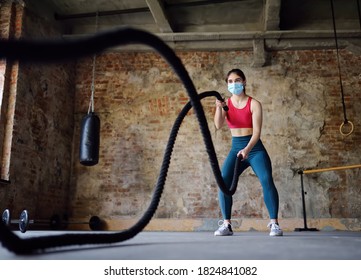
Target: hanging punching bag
89, 140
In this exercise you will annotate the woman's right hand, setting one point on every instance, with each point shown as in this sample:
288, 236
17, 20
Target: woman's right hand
220, 104
220, 114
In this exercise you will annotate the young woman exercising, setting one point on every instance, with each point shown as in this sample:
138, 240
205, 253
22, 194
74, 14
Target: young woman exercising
244, 118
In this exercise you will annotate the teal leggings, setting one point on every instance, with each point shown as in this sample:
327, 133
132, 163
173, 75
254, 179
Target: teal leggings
260, 162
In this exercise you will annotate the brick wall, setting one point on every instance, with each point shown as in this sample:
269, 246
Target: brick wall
138, 97
42, 98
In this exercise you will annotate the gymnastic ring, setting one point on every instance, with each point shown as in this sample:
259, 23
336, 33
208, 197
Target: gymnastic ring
341, 126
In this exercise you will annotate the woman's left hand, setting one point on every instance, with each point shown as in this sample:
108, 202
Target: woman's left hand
243, 153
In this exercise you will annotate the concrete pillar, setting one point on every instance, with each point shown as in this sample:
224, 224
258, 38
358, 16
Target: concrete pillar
259, 53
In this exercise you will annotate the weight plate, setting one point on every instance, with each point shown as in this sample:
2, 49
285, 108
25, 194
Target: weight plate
55, 222
95, 223
24, 221
6, 217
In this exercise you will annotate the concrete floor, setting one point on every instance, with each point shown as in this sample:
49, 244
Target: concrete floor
320, 245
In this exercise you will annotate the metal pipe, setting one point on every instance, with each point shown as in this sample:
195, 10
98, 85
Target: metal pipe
331, 169
305, 227
303, 203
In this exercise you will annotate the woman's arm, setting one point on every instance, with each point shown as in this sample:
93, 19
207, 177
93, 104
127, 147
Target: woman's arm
220, 114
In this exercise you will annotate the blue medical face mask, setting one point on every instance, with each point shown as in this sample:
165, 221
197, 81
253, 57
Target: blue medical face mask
235, 88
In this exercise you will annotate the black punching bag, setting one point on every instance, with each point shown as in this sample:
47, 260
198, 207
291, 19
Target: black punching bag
89, 140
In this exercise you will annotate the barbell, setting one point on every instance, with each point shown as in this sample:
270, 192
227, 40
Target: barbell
55, 222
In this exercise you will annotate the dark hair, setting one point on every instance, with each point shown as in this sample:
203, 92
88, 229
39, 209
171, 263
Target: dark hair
237, 72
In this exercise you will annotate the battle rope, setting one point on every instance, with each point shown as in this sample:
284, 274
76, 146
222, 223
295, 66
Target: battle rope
346, 121
52, 51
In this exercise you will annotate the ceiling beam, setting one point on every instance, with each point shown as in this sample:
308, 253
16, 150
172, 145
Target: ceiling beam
157, 9
257, 41
271, 22
100, 13
271, 14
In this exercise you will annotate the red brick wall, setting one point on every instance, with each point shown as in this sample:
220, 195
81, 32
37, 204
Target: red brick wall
138, 97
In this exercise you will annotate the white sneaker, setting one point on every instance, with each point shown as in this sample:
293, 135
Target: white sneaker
224, 229
275, 229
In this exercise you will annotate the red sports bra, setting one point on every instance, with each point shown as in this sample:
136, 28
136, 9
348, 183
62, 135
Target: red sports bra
239, 118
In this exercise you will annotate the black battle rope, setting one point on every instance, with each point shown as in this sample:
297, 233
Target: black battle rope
52, 51
338, 63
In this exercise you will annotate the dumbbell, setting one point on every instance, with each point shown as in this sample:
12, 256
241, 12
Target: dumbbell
24, 221
6, 219
55, 222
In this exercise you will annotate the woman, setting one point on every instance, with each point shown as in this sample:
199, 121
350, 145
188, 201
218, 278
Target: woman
244, 118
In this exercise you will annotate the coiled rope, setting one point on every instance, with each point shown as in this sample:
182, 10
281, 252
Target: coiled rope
53, 51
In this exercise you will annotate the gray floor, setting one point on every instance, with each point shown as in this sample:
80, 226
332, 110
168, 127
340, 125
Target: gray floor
321, 245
